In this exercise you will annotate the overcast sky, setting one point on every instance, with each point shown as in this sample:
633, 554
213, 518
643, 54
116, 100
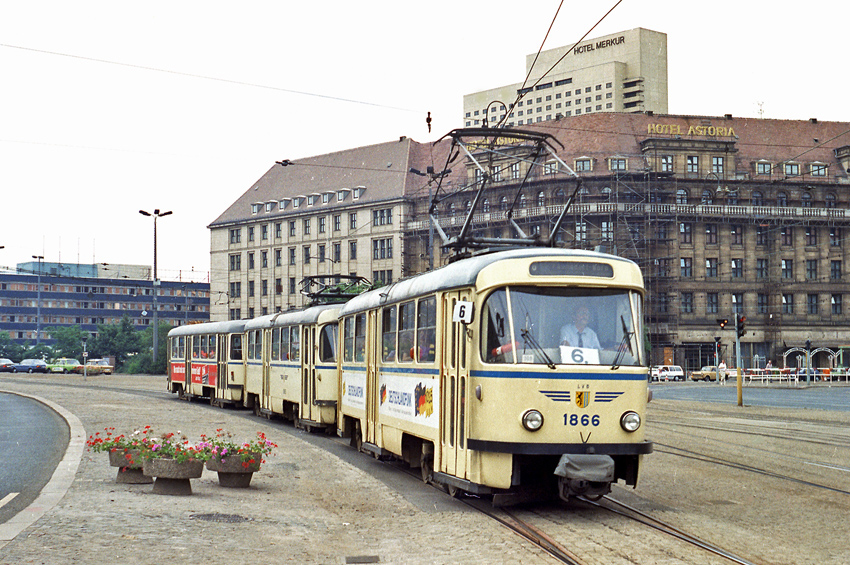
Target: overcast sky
108, 107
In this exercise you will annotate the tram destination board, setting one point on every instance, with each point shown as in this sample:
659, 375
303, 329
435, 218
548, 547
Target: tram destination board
570, 269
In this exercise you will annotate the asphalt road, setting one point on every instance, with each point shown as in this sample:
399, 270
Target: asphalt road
822, 397
32, 442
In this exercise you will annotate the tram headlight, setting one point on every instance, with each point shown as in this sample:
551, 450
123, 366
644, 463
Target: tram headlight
630, 421
532, 420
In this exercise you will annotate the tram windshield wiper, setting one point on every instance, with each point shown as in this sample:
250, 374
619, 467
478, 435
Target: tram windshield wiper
526, 335
625, 343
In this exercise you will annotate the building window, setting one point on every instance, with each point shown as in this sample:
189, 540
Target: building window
761, 303
811, 236
291, 255
757, 198
738, 303
250, 261
264, 232
352, 220
607, 230
761, 268
717, 165
787, 269
736, 235
761, 235
322, 224
515, 171
787, 303
685, 235
306, 223
292, 228
264, 259
278, 260
235, 235
278, 286
352, 249
712, 303
737, 268
835, 269
812, 269
382, 248
711, 268
763, 168
235, 290
264, 287
787, 235
692, 164
792, 169
707, 197
321, 253
834, 236
818, 170
583, 165
837, 308
666, 163
812, 303
236, 262
617, 164
291, 285
686, 267
337, 252
829, 200
687, 302
251, 233
250, 289
681, 196
278, 230
337, 222
306, 249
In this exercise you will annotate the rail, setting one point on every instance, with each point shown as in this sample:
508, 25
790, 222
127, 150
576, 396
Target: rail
816, 374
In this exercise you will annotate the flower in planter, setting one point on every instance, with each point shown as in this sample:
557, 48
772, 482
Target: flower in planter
110, 442
222, 447
174, 446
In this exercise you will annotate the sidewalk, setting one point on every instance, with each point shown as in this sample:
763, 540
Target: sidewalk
306, 505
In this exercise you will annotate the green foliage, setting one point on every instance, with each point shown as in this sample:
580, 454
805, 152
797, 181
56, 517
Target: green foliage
143, 363
119, 340
69, 341
10, 349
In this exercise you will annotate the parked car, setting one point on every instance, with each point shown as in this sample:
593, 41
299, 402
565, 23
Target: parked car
99, 367
7, 366
707, 373
30, 366
65, 365
667, 373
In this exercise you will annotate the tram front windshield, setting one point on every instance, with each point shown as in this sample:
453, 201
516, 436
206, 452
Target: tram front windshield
562, 326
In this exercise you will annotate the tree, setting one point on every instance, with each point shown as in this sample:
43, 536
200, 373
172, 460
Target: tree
143, 362
117, 340
69, 341
9, 349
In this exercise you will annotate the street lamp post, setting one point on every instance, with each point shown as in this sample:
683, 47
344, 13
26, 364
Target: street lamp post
156, 214
39, 258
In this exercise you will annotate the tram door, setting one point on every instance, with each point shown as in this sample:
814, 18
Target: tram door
221, 365
265, 337
187, 364
308, 371
373, 393
454, 375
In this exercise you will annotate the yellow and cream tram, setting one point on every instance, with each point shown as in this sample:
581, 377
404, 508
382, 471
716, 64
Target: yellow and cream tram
474, 372
292, 366
205, 360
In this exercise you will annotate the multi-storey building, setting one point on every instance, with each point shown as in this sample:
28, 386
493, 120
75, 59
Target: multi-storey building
725, 215
621, 72
39, 295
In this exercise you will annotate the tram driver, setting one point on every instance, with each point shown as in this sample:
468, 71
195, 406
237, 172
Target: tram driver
578, 333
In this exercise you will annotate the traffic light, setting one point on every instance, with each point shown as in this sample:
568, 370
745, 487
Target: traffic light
808, 345
722, 322
717, 345
740, 322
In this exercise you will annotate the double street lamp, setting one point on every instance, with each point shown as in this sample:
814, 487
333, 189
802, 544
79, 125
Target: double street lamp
156, 214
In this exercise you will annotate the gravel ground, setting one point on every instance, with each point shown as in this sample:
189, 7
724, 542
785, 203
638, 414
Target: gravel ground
308, 505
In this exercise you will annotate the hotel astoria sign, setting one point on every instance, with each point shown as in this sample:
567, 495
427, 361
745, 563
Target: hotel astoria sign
678, 129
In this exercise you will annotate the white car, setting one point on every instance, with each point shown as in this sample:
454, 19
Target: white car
667, 373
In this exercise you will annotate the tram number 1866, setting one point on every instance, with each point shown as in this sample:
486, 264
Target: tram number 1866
583, 420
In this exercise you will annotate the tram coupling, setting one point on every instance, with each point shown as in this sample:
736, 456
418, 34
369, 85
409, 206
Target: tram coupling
584, 475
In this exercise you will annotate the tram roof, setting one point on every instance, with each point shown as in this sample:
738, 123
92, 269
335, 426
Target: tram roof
457, 275
307, 316
228, 327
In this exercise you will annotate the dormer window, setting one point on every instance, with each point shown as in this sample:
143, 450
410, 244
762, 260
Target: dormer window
583, 164
342, 193
818, 170
792, 169
358, 192
270, 206
256, 207
282, 204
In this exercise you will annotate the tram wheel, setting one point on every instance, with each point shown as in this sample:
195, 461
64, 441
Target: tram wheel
453, 491
357, 437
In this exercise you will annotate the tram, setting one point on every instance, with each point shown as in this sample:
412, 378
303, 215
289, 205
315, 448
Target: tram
464, 372
206, 361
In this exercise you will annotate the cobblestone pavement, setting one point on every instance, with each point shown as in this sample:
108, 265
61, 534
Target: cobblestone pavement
304, 506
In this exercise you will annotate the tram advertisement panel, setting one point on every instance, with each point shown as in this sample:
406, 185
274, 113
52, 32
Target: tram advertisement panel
204, 374
354, 389
178, 371
409, 398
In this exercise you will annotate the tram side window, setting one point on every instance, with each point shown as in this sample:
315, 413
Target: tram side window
284, 344
252, 344
236, 347
348, 339
203, 339
327, 344
388, 334
406, 331
276, 344
426, 325
496, 346
212, 347
360, 338
196, 347
295, 343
